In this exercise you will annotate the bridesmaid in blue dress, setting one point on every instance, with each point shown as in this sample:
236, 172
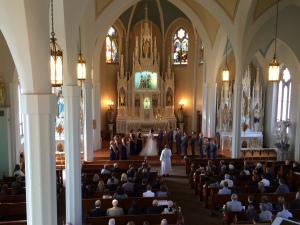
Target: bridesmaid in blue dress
139, 142
117, 148
124, 148
132, 143
112, 152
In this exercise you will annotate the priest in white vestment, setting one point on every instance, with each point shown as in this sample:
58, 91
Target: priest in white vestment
165, 159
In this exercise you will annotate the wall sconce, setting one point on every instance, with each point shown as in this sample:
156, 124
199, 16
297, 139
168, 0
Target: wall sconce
110, 104
181, 104
81, 67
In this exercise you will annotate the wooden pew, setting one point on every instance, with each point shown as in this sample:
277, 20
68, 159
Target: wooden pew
14, 222
125, 203
220, 200
240, 215
137, 219
12, 198
9, 210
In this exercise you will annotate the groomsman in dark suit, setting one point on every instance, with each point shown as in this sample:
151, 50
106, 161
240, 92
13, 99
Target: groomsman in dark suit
208, 147
184, 143
178, 137
160, 137
200, 145
170, 139
193, 143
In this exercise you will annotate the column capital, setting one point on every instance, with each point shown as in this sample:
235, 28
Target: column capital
38, 104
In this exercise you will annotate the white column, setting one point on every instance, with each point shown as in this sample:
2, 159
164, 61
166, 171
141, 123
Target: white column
204, 113
97, 117
297, 138
236, 124
15, 124
39, 114
194, 114
73, 155
88, 121
211, 94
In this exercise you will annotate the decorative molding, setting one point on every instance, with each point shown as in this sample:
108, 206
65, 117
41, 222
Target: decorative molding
229, 9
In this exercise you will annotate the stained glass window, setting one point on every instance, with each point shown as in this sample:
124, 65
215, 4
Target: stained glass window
111, 46
180, 47
284, 96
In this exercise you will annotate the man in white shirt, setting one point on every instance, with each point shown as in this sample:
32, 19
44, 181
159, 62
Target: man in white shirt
226, 178
234, 204
149, 193
265, 181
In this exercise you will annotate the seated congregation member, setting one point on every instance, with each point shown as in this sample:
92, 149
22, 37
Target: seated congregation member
285, 213
96, 178
264, 180
97, 212
242, 176
101, 186
144, 184
296, 167
214, 183
170, 209
144, 166
88, 191
130, 172
250, 214
287, 164
112, 221
295, 204
115, 210
162, 191
265, 214
128, 186
18, 172
154, 209
116, 168
17, 187
164, 222
251, 202
4, 190
136, 191
226, 179
135, 209
113, 180
269, 175
234, 204
124, 178
130, 223
225, 190
259, 169
267, 203
282, 188
254, 181
261, 188
105, 170
106, 194
120, 193
246, 170
279, 205
149, 192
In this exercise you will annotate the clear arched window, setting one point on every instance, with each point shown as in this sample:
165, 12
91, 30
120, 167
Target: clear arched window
284, 96
180, 46
111, 44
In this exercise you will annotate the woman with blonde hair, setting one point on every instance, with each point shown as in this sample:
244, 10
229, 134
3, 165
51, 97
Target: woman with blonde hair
123, 178
101, 186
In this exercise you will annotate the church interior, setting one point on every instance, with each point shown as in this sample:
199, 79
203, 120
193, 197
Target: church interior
226, 69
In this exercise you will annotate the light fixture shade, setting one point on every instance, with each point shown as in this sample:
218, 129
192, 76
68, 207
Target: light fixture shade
81, 68
225, 74
274, 70
56, 63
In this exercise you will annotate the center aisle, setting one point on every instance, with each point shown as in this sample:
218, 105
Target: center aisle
192, 209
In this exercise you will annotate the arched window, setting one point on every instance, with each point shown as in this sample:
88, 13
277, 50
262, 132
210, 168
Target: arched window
180, 46
284, 96
111, 46
21, 116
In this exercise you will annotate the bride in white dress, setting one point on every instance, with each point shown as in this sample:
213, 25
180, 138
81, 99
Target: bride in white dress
150, 148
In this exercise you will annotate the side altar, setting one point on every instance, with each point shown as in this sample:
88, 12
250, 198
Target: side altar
252, 112
146, 96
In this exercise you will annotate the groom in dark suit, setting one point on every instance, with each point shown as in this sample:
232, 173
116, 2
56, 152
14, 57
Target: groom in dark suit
159, 140
178, 137
170, 139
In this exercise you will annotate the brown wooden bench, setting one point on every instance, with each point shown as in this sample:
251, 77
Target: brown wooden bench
9, 210
219, 200
125, 203
14, 222
137, 219
12, 198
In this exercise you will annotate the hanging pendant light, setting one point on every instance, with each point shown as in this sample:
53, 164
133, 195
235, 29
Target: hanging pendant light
225, 74
56, 58
81, 68
274, 65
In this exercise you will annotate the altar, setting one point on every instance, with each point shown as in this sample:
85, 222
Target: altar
146, 96
248, 140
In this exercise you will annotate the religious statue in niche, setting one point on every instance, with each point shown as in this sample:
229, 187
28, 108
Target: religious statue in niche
137, 100
169, 97
122, 98
146, 103
146, 47
227, 115
142, 82
61, 104
149, 81
256, 114
2, 92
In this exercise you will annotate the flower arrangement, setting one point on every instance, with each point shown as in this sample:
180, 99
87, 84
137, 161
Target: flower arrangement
224, 211
281, 134
59, 129
244, 126
158, 117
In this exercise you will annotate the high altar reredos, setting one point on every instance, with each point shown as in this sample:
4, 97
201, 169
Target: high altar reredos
145, 97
